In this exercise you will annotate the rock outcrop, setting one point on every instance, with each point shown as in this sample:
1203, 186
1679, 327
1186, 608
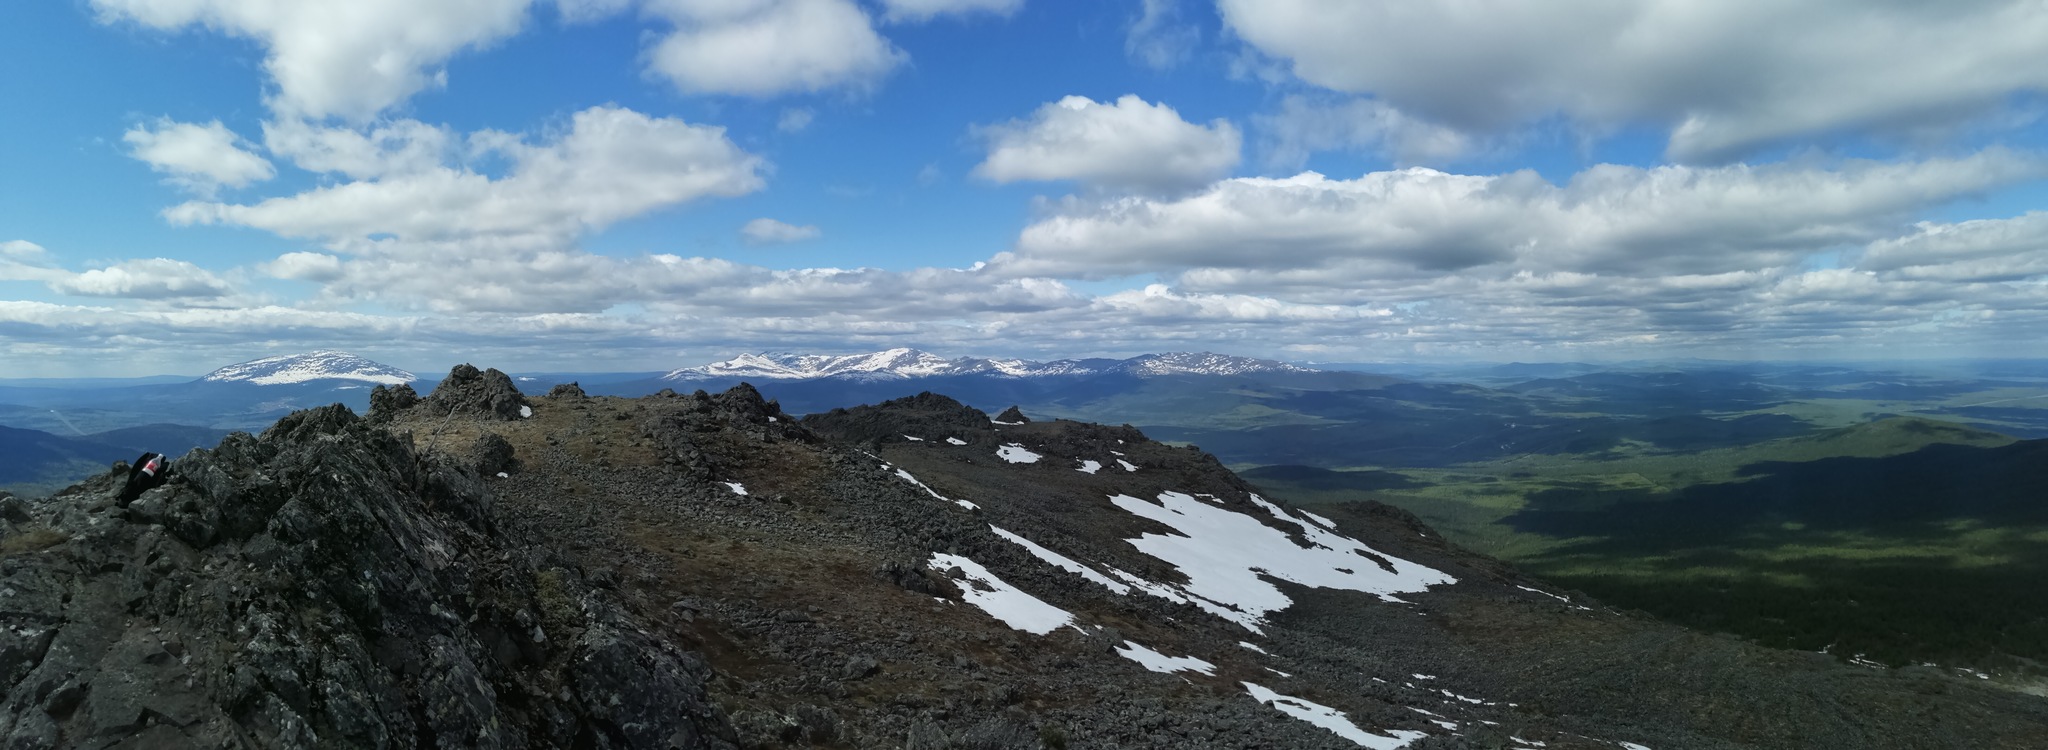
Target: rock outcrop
486, 394
322, 585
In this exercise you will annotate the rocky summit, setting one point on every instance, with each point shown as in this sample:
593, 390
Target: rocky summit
483, 569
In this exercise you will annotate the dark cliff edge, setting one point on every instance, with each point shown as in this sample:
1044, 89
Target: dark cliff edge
482, 569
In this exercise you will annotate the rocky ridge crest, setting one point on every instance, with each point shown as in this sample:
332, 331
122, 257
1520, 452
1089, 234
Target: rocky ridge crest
705, 571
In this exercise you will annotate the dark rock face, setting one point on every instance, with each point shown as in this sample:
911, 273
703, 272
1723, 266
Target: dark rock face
385, 402
322, 585
494, 455
470, 392
566, 390
1013, 415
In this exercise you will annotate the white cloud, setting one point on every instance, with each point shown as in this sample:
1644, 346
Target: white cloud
765, 231
612, 164
765, 48
1415, 222
918, 11
150, 279
391, 148
1726, 78
1157, 37
1978, 250
1126, 144
1305, 125
199, 158
352, 59
21, 260
304, 266
23, 250
584, 11
795, 120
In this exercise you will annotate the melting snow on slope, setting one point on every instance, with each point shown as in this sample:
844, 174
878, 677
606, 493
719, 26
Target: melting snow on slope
736, 487
1252, 646
1327, 523
1128, 466
1001, 600
1159, 662
956, 441
1226, 556
1331, 719
1016, 454
913, 439
934, 493
1090, 467
1062, 561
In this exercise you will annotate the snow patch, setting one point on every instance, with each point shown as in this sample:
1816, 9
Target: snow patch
525, 412
956, 441
1252, 646
1001, 600
1159, 662
1016, 454
1227, 557
1061, 561
1090, 467
1128, 466
1331, 719
934, 493
737, 488
1327, 523
913, 439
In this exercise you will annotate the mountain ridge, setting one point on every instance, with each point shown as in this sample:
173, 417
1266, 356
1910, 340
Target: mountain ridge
707, 571
904, 363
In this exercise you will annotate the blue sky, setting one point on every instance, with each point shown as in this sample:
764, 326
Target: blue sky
646, 184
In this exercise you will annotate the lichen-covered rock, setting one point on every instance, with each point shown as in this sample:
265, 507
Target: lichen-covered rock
567, 391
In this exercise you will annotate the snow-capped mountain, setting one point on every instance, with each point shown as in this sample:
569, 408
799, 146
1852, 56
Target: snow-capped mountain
311, 366
903, 364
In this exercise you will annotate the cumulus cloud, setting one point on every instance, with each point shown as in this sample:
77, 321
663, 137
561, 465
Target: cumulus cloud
612, 164
352, 59
150, 279
390, 148
199, 158
918, 11
1126, 144
765, 231
1725, 78
765, 48
1158, 38
1672, 219
1305, 125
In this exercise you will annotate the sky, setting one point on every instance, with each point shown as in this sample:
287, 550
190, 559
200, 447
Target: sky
630, 185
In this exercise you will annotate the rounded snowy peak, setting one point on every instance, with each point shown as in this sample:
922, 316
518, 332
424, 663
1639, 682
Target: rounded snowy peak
311, 366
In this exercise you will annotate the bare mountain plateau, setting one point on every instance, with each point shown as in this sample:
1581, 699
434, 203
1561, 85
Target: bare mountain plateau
478, 568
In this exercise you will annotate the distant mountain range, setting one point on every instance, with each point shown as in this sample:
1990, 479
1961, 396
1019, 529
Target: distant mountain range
905, 364
293, 369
